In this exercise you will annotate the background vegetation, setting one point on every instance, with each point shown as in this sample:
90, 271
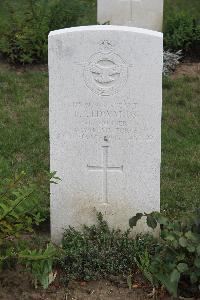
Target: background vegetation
182, 26
25, 24
191, 7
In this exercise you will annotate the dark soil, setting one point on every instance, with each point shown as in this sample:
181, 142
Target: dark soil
17, 285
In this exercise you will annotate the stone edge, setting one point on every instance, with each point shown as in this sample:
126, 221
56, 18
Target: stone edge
108, 28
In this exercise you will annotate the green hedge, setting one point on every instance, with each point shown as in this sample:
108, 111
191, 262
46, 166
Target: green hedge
25, 24
182, 32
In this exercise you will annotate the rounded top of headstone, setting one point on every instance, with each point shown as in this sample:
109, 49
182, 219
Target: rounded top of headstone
106, 28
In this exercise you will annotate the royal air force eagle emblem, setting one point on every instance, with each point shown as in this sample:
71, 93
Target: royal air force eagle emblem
105, 73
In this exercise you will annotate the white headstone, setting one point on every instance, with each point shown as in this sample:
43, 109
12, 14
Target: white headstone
105, 124
138, 13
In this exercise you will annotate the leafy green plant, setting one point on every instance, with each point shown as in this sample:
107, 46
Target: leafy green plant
18, 211
143, 262
99, 251
177, 256
18, 215
25, 24
40, 263
182, 32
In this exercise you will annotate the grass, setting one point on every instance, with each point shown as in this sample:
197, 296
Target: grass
180, 181
24, 142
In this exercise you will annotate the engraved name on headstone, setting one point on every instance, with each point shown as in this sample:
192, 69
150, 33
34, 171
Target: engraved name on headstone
105, 124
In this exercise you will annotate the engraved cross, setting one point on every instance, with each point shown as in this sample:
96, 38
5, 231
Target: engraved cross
133, 4
105, 169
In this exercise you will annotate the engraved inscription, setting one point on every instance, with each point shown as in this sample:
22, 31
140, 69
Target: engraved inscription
105, 169
96, 119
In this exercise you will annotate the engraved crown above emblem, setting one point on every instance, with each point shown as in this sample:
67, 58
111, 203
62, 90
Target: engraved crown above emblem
105, 73
106, 46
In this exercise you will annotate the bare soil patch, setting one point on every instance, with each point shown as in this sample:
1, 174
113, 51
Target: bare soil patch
17, 285
187, 68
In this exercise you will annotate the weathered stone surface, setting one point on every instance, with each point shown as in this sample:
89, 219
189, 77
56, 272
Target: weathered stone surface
138, 13
105, 124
